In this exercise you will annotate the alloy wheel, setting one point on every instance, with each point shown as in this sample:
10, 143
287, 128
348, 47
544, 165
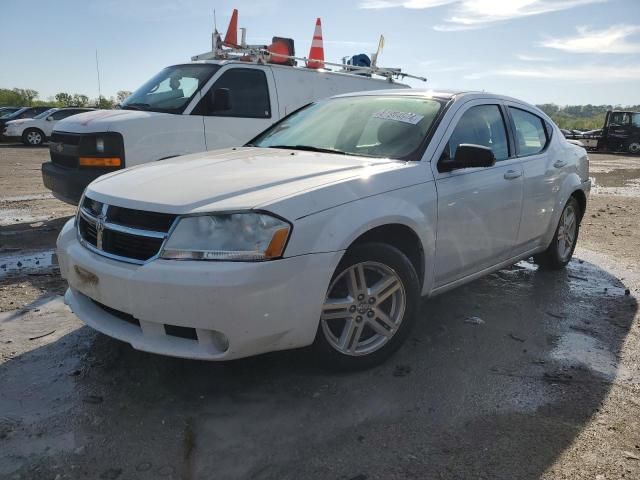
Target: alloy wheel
567, 232
364, 308
34, 138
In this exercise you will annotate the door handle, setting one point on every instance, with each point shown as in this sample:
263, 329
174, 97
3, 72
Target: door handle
512, 174
559, 163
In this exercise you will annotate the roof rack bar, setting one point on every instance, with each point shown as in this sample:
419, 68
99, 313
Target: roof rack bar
259, 54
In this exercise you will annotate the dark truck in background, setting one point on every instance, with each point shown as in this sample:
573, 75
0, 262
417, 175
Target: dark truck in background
620, 133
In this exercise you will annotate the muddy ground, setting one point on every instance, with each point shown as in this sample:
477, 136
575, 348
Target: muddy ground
548, 386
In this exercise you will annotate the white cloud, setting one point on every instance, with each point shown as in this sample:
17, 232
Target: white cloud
610, 40
532, 58
417, 4
580, 73
471, 14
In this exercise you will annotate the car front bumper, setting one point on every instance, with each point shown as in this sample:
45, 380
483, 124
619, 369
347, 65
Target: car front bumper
68, 184
233, 309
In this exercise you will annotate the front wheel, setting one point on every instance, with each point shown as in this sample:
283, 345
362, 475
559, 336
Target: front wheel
634, 148
560, 251
33, 137
370, 307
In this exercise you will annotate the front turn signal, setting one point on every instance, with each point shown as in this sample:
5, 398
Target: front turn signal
100, 162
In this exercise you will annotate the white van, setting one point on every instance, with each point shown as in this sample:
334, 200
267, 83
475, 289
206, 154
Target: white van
187, 108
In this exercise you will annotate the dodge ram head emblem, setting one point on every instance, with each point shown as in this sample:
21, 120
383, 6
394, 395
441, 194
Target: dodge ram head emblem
59, 148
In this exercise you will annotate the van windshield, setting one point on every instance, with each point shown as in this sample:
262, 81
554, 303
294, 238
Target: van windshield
370, 126
171, 90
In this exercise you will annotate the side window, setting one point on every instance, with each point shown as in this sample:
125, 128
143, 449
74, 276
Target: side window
531, 137
60, 114
481, 125
248, 93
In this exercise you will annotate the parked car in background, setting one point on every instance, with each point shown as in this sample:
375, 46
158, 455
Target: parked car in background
326, 229
8, 110
186, 108
35, 131
24, 112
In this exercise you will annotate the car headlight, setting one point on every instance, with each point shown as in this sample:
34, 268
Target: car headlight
231, 237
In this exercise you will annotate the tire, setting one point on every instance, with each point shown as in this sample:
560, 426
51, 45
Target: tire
559, 252
32, 137
634, 148
361, 327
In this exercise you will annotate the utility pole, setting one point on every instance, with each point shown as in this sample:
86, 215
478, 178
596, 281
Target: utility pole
98, 72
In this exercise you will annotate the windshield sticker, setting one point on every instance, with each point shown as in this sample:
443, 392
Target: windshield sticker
404, 117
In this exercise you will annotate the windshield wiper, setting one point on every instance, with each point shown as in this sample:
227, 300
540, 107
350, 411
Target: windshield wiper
309, 148
136, 106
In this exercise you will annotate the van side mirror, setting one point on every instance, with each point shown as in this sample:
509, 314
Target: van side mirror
50, 118
220, 100
468, 156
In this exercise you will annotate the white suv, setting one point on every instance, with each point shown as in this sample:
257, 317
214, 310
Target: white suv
326, 229
35, 131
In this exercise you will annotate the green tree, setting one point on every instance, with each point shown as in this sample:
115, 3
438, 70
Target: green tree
105, 103
122, 95
64, 99
80, 100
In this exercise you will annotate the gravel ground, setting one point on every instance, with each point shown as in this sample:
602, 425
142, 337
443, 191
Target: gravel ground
548, 386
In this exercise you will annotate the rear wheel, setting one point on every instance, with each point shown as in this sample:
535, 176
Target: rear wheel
33, 137
560, 251
634, 147
370, 307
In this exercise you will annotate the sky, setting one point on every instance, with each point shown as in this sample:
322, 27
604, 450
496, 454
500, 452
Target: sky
542, 51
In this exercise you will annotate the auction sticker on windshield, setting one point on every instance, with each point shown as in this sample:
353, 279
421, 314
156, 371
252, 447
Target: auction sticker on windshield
405, 117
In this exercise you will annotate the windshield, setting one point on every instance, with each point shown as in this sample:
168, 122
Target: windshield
16, 113
372, 126
171, 90
45, 113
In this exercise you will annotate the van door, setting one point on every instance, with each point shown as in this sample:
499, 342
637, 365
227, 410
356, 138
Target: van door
240, 103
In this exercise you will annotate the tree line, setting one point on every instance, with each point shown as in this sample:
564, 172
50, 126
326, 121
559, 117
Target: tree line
581, 117
26, 97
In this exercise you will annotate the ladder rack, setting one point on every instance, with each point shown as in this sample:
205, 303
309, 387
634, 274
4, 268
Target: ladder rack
259, 54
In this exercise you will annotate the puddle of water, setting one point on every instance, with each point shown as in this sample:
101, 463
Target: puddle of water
27, 262
577, 348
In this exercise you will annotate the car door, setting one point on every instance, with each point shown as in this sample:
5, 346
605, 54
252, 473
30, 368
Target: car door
251, 92
479, 209
544, 173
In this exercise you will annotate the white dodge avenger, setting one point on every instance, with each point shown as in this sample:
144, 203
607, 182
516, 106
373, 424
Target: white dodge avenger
326, 229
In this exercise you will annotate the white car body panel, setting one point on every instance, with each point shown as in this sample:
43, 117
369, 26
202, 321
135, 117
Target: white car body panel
467, 223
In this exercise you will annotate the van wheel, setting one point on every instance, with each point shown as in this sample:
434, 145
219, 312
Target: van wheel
33, 137
370, 307
560, 251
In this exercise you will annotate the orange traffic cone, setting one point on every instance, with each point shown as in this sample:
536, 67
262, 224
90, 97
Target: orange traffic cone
316, 54
231, 38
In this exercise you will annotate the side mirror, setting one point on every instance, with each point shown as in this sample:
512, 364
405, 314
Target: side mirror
49, 118
220, 100
468, 156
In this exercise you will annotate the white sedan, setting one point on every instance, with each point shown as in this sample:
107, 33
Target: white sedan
325, 230
35, 131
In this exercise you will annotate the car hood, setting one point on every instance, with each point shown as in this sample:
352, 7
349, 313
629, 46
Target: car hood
19, 122
247, 178
102, 120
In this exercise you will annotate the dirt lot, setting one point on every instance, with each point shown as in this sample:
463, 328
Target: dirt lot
547, 387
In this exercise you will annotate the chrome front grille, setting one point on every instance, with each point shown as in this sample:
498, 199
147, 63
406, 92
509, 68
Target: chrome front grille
134, 236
